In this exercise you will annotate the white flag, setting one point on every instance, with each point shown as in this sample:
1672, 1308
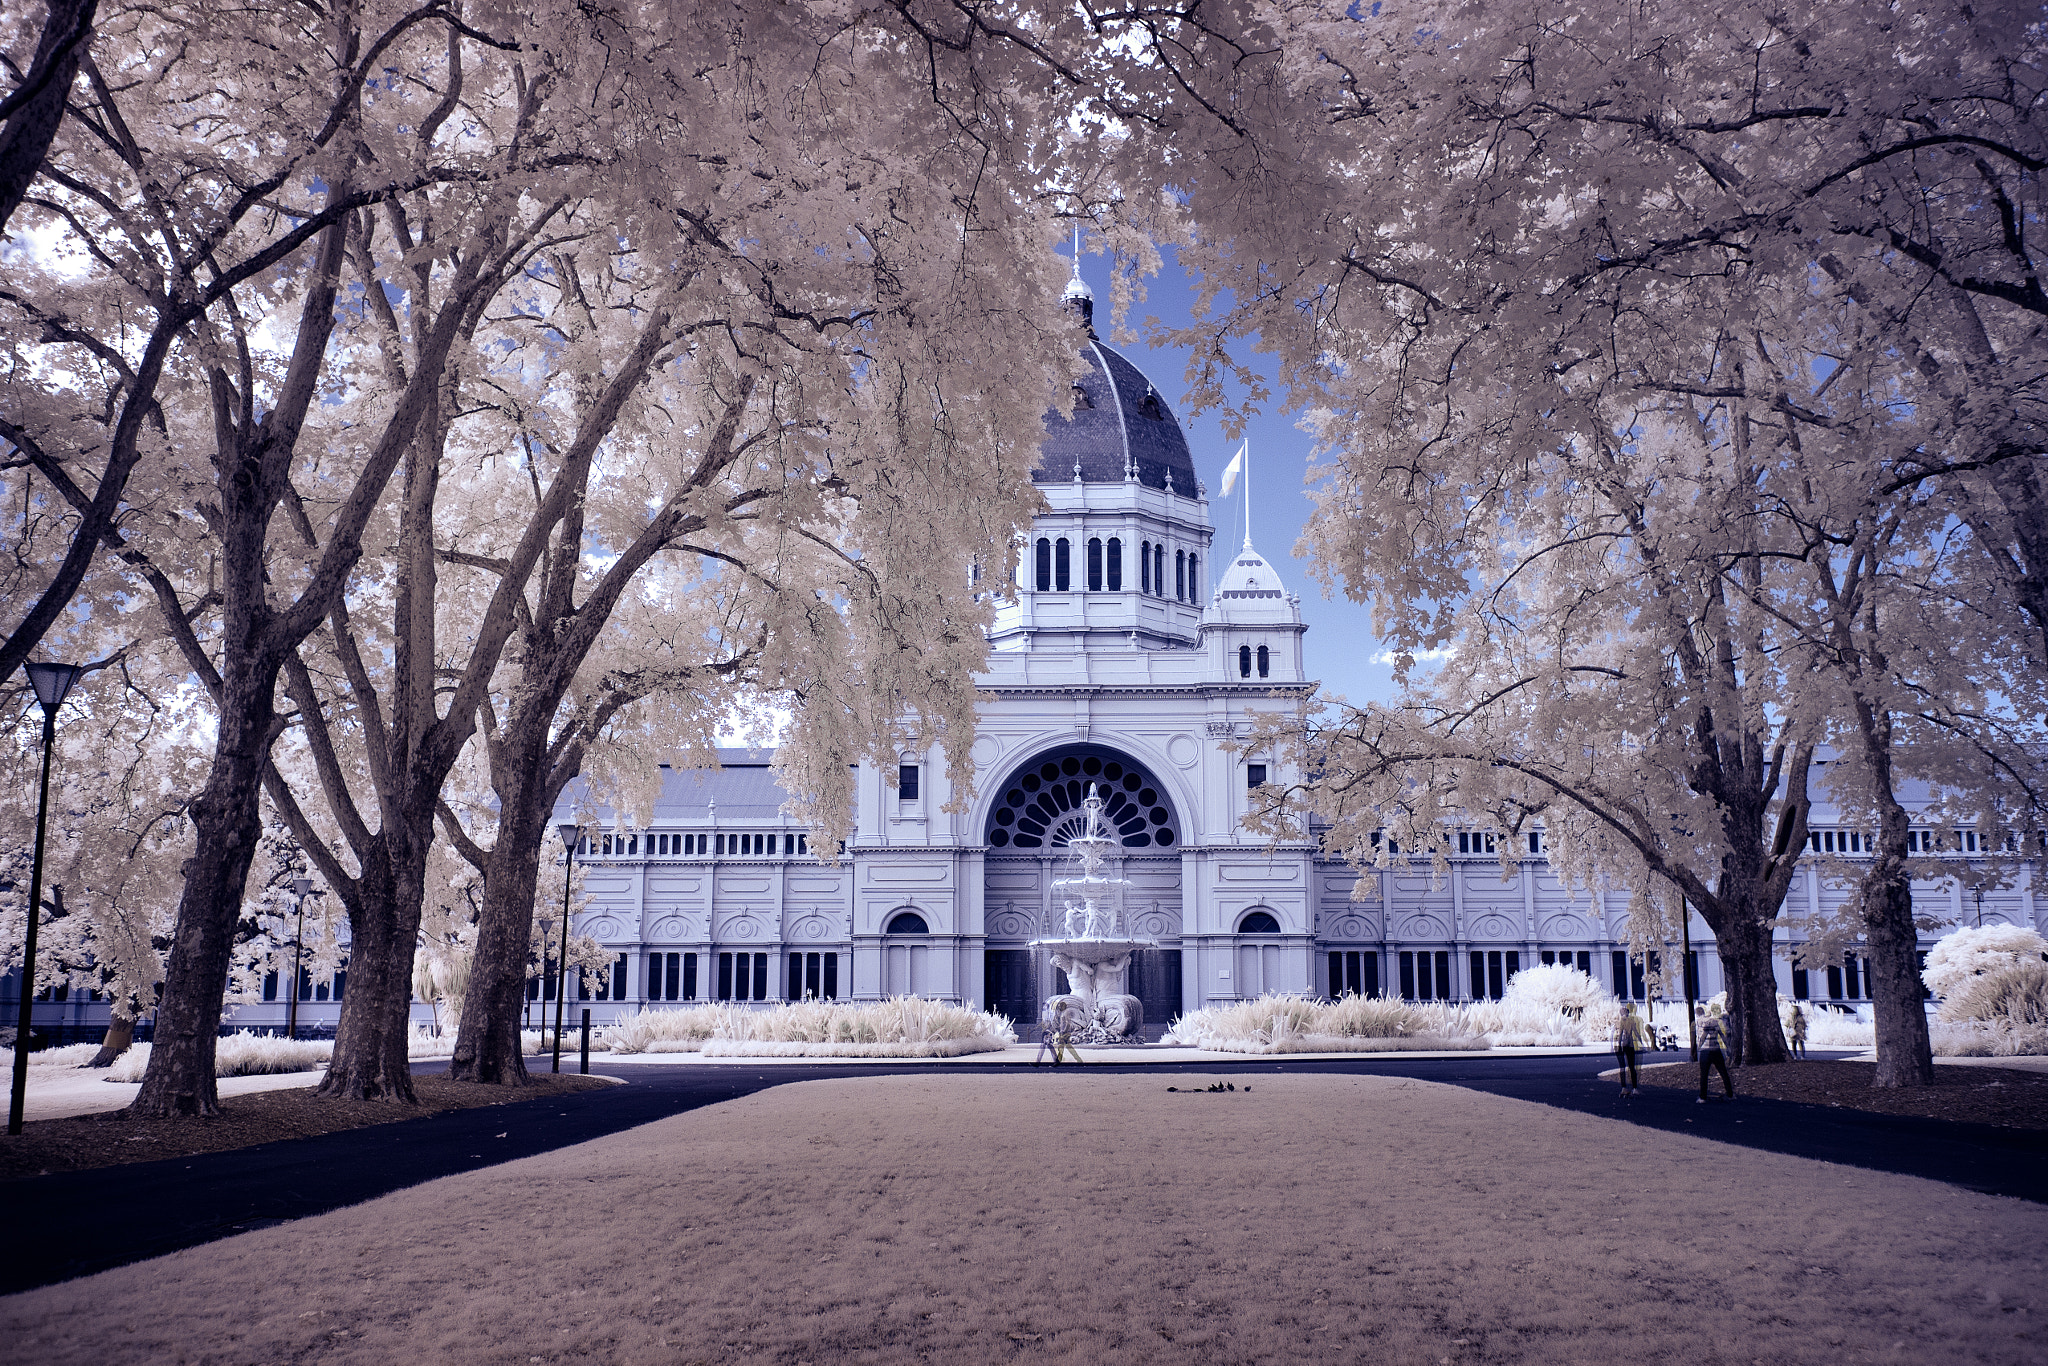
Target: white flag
1234, 469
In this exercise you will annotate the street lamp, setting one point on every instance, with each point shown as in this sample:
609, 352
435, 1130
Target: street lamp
572, 835
51, 682
302, 887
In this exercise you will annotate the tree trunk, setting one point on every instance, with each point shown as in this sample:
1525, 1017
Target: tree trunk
179, 1079
487, 1045
372, 1059
1885, 902
1752, 1015
120, 1038
67, 33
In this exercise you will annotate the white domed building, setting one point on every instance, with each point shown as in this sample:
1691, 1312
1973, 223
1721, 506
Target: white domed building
1134, 653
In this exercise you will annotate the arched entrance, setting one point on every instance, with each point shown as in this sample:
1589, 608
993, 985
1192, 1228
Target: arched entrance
1037, 807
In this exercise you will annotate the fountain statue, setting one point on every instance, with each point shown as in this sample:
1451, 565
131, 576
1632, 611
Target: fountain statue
1092, 952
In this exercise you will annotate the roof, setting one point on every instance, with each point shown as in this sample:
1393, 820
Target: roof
1118, 419
1251, 589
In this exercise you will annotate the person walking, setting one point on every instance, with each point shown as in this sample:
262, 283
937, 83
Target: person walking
1628, 1037
1714, 1053
1798, 1032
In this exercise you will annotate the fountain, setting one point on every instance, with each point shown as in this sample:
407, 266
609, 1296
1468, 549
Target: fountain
1092, 952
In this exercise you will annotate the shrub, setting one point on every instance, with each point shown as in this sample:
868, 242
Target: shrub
1556, 987
243, 1054
662, 1031
2014, 996
1969, 952
1985, 1039
1277, 1023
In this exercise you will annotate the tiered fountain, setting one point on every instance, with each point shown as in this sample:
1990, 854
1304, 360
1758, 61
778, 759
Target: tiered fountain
1092, 953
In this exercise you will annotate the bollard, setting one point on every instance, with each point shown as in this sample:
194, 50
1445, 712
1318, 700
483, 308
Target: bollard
586, 1043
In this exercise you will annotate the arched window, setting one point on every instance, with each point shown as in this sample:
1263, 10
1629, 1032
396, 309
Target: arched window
1062, 565
1244, 661
1044, 565
1116, 565
1180, 576
1095, 564
1265, 661
1258, 922
1144, 566
910, 922
1194, 577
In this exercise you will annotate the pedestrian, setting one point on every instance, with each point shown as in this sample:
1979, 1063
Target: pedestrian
1714, 1053
1798, 1032
1628, 1037
1055, 1032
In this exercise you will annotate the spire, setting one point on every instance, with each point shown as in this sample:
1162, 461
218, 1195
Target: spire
1077, 295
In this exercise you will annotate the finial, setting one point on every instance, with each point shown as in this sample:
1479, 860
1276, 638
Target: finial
1169, 481
1077, 469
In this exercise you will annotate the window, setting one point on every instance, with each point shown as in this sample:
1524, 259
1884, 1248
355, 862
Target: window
1062, 559
1258, 922
814, 976
907, 922
1265, 662
1159, 570
1801, 989
1194, 578
1144, 566
671, 976
1491, 971
742, 976
1244, 661
270, 985
1475, 842
1426, 976
1116, 565
906, 782
1630, 974
1354, 973
1583, 960
1044, 566
1254, 775
1536, 842
1180, 576
1095, 564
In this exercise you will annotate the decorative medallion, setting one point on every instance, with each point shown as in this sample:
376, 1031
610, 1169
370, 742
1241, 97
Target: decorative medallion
1183, 750
743, 928
1352, 927
1564, 927
1010, 925
1493, 927
671, 927
987, 749
810, 927
1422, 927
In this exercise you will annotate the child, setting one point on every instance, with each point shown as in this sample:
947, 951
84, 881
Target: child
1798, 1032
1714, 1053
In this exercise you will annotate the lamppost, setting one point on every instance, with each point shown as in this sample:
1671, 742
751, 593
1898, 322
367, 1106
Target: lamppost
302, 887
572, 835
51, 682
1692, 1028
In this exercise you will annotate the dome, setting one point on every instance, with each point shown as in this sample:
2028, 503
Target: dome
1251, 589
1119, 420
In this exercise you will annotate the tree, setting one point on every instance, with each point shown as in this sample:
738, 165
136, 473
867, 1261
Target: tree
268, 196
1552, 278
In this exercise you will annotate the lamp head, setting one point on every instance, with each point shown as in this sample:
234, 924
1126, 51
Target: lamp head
301, 887
52, 682
571, 832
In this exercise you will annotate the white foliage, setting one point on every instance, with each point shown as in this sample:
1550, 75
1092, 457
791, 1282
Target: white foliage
1968, 951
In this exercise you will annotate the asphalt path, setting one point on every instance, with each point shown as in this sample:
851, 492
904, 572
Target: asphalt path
75, 1223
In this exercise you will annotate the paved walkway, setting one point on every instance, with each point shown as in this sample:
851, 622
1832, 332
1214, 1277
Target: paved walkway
92, 1220
1093, 1215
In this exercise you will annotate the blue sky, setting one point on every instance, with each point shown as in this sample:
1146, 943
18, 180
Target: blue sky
1339, 647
